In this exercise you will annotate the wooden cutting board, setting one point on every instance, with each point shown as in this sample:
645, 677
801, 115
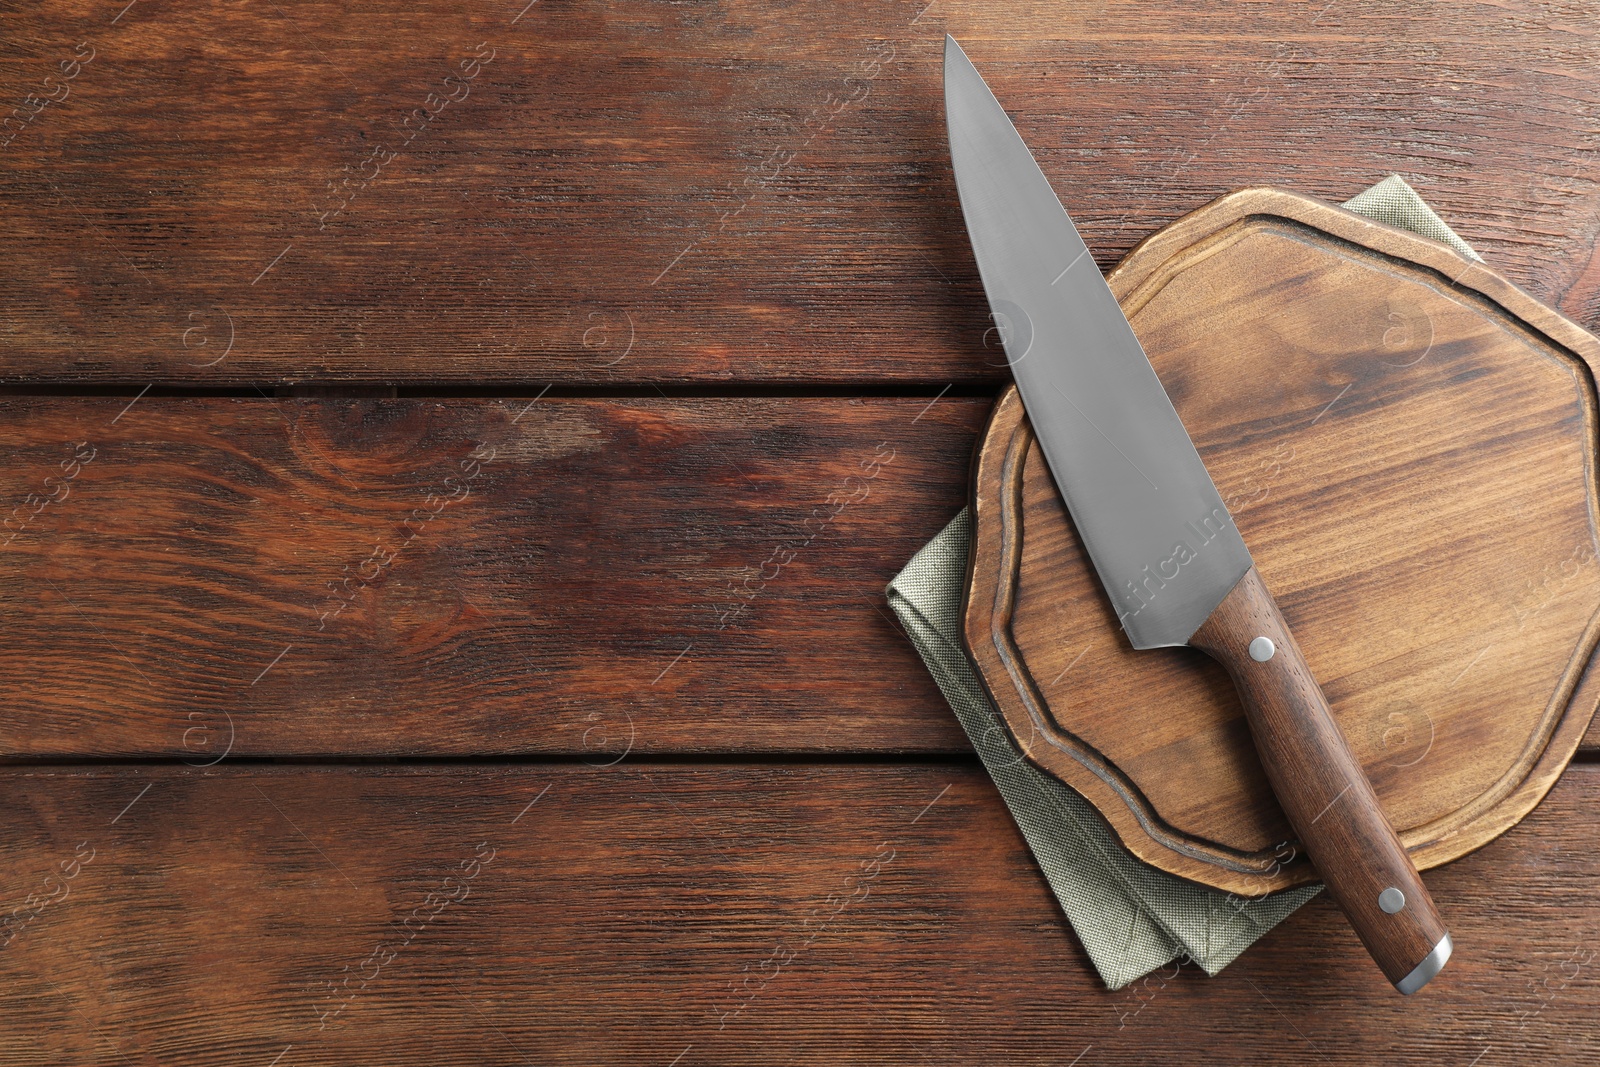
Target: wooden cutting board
1407, 443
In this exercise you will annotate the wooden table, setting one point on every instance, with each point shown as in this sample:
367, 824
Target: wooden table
431, 633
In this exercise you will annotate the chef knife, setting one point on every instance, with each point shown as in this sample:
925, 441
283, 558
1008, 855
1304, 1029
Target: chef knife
1164, 546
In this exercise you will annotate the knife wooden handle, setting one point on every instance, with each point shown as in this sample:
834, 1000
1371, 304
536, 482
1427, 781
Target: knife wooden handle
1322, 788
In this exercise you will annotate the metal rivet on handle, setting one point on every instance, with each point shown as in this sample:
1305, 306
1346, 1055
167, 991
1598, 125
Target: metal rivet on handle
1391, 900
1261, 649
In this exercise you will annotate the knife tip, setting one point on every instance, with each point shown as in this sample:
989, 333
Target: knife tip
954, 55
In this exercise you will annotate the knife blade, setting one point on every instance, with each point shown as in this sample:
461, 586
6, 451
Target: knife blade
1167, 552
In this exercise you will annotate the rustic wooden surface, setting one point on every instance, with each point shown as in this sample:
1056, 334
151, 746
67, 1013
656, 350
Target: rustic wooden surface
839, 914
600, 578
1406, 443
201, 540
750, 207
747, 192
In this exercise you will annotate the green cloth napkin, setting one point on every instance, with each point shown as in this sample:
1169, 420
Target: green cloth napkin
1131, 917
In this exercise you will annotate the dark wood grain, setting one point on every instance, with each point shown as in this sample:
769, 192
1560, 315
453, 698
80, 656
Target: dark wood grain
707, 193
343, 577
845, 914
713, 192
627, 194
1320, 785
1406, 443
199, 542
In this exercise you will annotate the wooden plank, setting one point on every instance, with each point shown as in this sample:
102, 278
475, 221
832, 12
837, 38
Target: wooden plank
651, 192
149, 603
462, 577
642, 913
